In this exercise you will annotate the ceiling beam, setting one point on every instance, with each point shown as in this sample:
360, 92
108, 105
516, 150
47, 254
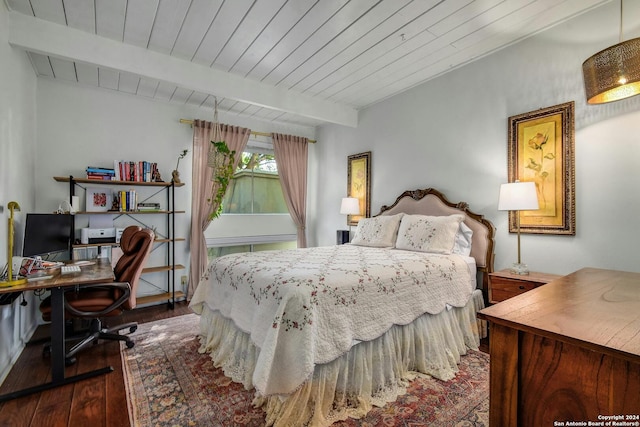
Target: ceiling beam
48, 38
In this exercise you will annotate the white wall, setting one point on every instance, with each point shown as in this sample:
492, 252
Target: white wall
451, 134
80, 126
17, 163
52, 128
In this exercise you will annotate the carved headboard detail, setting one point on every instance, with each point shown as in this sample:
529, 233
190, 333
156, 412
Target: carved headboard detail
429, 201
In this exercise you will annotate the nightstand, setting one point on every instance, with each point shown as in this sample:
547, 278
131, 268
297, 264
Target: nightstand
343, 237
503, 284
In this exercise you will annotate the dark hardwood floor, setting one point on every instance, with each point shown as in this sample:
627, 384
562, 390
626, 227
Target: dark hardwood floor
95, 402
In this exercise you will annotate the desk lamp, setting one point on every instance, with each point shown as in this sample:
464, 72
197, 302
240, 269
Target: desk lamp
10, 282
518, 196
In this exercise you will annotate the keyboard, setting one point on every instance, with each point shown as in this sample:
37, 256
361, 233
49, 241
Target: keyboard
68, 269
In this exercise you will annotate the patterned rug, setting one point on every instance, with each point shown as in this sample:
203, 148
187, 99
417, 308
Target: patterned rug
169, 383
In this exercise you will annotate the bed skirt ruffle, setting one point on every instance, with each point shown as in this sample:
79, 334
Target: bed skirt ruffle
371, 373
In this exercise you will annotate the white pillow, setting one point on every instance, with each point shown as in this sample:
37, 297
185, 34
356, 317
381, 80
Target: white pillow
423, 233
379, 231
462, 245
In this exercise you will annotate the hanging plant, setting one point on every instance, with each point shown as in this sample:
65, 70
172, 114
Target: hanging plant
221, 160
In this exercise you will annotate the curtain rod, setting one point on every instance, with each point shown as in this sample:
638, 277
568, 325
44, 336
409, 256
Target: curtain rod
190, 122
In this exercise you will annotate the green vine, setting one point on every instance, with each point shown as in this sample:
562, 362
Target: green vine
223, 173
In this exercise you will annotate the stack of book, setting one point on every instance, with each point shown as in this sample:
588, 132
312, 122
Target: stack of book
99, 173
127, 200
135, 171
148, 207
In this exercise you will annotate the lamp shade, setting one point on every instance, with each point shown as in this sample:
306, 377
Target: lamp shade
613, 73
518, 196
350, 206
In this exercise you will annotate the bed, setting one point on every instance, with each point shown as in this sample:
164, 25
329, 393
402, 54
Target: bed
324, 333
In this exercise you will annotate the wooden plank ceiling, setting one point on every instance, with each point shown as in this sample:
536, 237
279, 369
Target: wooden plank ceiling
303, 62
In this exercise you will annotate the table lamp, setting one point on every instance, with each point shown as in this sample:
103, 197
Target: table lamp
350, 206
518, 196
12, 206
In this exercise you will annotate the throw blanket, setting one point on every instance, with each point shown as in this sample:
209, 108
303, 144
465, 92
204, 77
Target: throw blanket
305, 307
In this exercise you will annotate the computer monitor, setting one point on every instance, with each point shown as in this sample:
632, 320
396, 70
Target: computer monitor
48, 236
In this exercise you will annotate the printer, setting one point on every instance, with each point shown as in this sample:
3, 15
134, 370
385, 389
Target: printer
99, 235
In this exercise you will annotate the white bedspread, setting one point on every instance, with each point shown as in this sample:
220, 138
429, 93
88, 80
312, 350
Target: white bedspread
308, 306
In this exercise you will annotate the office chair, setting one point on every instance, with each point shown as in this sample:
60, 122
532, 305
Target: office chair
94, 301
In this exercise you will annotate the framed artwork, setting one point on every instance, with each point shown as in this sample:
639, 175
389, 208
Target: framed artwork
359, 184
98, 199
541, 149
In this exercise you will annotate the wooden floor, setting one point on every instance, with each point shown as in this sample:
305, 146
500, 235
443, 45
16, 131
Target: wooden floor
94, 402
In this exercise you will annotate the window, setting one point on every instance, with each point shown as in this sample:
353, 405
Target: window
254, 214
255, 188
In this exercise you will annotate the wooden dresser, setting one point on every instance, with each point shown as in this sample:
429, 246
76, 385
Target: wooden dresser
567, 351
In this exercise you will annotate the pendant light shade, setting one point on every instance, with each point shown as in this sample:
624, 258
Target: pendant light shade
613, 73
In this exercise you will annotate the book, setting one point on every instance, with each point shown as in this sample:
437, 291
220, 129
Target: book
149, 208
127, 200
107, 171
135, 171
116, 169
98, 173
149, 205
100, 177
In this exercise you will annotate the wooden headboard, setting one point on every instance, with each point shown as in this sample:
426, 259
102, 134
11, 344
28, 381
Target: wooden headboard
432, 202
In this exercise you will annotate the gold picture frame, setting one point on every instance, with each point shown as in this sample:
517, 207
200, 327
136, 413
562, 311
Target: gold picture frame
541, 149
359, 184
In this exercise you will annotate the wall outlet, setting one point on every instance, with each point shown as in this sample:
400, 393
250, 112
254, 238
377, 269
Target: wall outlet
183, 280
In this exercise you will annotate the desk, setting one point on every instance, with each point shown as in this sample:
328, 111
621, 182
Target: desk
100, 272
567, 351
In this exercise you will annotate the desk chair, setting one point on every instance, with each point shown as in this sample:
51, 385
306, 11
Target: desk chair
94, 301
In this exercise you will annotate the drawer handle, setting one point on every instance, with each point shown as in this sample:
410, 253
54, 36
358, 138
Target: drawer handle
521, 287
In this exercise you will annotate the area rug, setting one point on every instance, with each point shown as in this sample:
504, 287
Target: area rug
168, 383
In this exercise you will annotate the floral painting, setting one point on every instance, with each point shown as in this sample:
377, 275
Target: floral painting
541, 150
540, 165
359, 184
98, 200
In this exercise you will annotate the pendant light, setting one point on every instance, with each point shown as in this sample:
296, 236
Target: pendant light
613, 73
